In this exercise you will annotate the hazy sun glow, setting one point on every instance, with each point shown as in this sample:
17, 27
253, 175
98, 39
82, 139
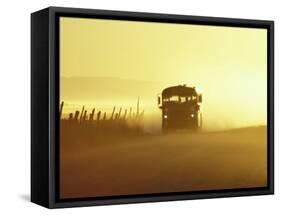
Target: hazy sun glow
106, 63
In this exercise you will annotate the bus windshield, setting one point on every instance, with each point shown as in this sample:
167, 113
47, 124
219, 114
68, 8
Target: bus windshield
180, 99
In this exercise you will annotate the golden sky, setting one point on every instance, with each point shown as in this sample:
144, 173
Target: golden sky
228, 64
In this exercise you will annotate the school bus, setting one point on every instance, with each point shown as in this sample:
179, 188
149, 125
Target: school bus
180, 107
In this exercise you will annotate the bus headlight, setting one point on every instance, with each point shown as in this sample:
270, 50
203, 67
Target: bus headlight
192, 115
165, 116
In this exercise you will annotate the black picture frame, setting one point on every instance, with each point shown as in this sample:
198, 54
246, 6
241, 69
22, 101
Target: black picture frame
45, 106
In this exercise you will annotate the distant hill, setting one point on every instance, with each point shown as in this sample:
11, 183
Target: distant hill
96, 88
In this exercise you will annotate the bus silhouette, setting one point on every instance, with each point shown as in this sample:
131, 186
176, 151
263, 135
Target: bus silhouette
180, 107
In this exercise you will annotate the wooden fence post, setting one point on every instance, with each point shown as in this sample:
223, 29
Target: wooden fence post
98, 115
82, 113
112, 114
138, 105
85, 115
119, 113
70, 116
104, 116
92, 115
130, 113
116, 116
76, 116
124, 117
61, 108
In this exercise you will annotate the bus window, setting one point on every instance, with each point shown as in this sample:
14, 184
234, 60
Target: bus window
174, 98
182, 99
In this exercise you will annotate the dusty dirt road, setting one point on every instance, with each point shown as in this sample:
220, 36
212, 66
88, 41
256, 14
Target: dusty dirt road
165, 163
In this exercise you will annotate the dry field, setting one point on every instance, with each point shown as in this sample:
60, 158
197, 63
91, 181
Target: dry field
105, 164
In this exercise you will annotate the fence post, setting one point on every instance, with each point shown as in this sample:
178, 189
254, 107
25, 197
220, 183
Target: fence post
98, 115
112, 114
92, 115
119, 113
130, 113
85, 115
76, 116
124, 117
70, 116
61, 108
116, 116
82, 113
138, 105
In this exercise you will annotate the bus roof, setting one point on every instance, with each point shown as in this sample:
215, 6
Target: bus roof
180, 90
